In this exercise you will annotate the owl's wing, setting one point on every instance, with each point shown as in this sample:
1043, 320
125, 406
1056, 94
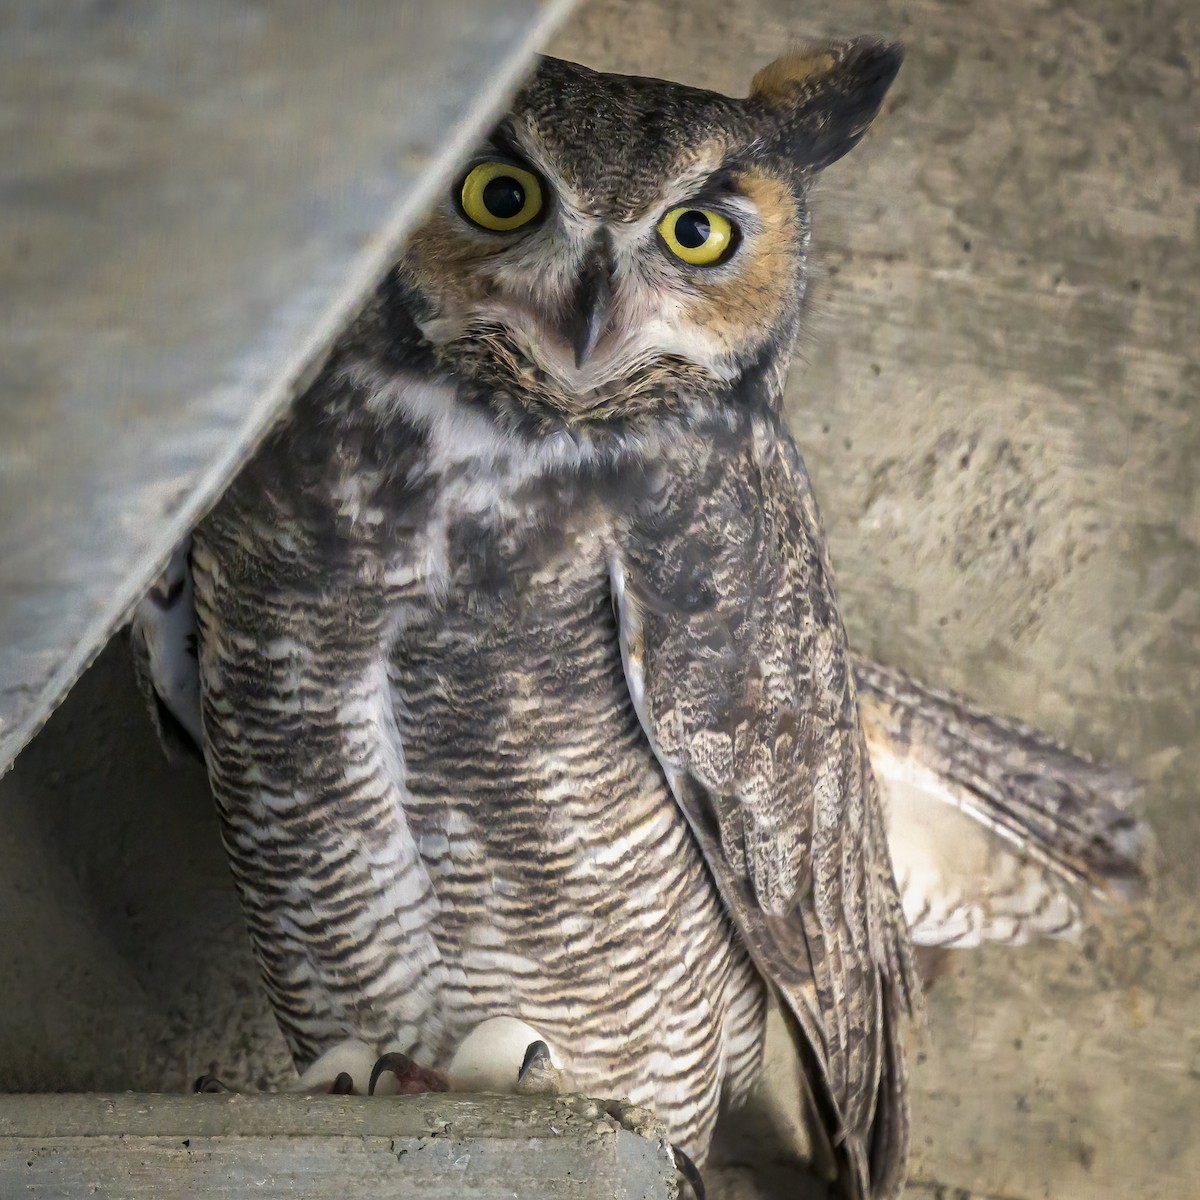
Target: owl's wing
737, 664
1075, 818
995, 830
162, 638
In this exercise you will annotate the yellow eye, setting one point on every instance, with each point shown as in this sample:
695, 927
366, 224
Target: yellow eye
501, 197
697, 235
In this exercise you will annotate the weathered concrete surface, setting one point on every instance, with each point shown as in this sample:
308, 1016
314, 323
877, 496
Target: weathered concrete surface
995, 404
437, 1147
123, 958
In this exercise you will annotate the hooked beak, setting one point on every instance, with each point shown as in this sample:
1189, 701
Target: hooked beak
593, 302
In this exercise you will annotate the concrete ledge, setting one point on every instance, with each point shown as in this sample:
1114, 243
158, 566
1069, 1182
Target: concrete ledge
435, 1147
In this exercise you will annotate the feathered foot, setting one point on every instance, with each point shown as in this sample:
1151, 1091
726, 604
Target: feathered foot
505, 1054
353, 1068
343, 1070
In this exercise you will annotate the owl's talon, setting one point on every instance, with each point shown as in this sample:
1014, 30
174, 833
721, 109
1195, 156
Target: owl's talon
343, 1085
537, 1056
689, 1171
538, 1075
411, 1079
209, 1085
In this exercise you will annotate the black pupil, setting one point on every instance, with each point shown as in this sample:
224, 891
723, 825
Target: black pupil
692, 229
503, 197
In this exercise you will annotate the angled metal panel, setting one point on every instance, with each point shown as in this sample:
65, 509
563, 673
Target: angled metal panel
194, 198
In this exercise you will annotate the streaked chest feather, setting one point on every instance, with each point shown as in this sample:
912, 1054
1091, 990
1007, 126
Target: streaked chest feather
437, 794
475, 503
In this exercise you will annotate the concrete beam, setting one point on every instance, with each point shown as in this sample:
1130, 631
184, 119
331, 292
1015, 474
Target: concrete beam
438, 1147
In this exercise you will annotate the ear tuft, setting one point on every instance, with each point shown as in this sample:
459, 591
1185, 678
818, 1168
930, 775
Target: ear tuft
823, 97
778, 80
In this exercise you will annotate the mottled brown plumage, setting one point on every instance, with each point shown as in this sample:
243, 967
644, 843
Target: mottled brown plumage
747, 697
524, 688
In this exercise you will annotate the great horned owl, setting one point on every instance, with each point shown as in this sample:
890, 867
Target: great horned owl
522, 685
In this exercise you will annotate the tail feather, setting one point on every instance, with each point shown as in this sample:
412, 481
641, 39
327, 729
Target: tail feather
888, 1151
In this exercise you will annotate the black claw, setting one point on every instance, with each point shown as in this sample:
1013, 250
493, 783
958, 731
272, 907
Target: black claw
388, 1062
688, 1169
208, 1084
343, 1085
537, 1054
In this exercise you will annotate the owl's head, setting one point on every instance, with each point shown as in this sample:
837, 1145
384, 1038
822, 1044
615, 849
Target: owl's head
619, 244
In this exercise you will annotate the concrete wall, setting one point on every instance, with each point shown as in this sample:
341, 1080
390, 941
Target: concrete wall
995, 400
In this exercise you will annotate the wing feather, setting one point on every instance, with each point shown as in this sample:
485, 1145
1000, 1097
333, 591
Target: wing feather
1077, 819
738, 666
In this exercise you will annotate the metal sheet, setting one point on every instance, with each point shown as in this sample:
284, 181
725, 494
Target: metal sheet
193, 200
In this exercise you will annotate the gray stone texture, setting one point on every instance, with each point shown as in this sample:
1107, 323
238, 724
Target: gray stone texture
218, 1147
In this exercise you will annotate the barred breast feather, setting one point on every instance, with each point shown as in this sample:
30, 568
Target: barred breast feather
436, 794
580, 745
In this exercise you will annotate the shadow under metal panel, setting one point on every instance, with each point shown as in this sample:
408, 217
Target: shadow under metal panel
193, 201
